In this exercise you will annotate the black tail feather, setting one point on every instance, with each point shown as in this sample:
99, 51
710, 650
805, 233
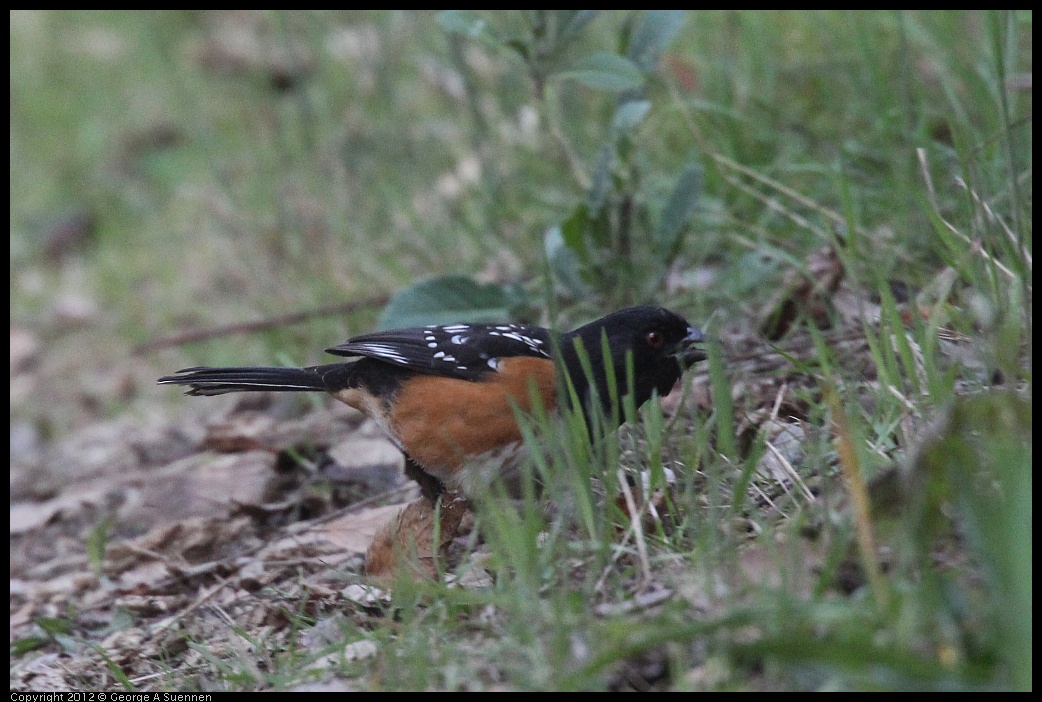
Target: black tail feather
217, 381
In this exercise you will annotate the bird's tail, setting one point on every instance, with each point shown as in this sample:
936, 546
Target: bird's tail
217, 381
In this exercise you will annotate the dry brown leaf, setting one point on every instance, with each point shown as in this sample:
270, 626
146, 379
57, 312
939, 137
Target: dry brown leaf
359, 453
249, 430
243, 431
27, 516
306, 545
202, 485
807, 292
355, 532
367, 595
407, 544
190, 541
46, 673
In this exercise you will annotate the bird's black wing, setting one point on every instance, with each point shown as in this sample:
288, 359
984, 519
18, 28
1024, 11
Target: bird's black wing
466, 351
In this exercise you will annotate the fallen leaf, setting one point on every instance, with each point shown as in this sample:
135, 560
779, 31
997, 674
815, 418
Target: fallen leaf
355, 532
407, 543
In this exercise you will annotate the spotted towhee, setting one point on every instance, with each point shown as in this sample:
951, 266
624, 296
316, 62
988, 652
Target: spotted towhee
447, 396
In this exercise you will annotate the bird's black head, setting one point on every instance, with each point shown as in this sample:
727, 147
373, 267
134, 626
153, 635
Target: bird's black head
662, 343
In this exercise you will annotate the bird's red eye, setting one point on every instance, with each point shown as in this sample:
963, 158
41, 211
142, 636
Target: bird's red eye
654, 339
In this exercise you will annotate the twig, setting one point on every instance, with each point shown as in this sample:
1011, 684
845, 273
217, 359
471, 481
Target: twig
199, 601
260, 325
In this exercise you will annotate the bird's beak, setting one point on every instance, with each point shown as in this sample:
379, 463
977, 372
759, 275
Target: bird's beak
687, 350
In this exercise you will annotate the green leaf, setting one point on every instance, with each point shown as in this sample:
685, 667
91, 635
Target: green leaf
652, 35
575, 24
586, 232
573, 231
470, 25
677, 212
447, 299
564, 263
628, 115
53, 625
26, 644
462, 22
605, 71
519, 47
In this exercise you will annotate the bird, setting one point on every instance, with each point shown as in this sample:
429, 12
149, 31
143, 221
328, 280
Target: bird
448, 396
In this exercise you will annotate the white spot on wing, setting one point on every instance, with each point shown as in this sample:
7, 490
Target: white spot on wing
383, 351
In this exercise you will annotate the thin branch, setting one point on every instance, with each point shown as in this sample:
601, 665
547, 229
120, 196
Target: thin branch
285, 320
